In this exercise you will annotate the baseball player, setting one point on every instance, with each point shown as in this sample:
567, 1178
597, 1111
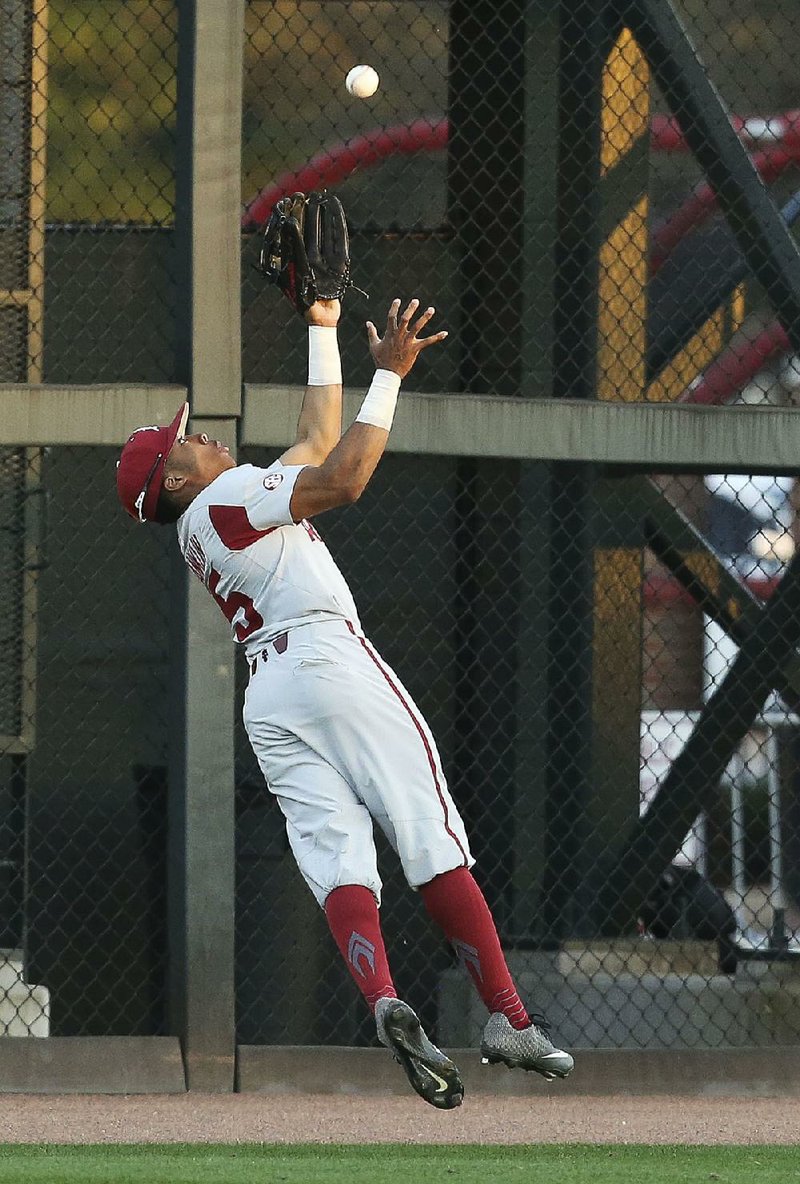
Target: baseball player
339, 740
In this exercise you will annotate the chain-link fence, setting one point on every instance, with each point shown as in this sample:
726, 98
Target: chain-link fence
110, 190
706, 956
84, 747
525, 172
567, 628
712, 332
384, 156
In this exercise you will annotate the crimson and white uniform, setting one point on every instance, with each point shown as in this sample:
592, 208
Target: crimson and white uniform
337, 736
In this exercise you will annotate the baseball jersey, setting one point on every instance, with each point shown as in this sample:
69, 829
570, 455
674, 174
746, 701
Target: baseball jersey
267, 573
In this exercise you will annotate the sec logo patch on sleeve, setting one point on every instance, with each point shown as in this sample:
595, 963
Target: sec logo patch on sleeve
272, 481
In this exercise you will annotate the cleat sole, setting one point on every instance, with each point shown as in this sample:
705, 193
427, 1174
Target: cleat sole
515, 1063
431, 1074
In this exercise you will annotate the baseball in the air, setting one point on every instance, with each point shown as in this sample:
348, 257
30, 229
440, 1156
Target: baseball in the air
362, 81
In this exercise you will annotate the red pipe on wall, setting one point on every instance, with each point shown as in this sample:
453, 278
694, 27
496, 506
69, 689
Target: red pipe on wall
757, 131
736, 365
701, 205
333, 165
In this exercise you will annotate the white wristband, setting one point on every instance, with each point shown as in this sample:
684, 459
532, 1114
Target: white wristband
380, 400
324, 363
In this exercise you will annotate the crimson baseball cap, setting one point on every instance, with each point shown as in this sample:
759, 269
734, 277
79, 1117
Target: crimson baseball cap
140, 468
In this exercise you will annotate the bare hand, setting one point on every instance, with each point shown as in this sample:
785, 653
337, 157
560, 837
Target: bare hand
400, 346
325, 313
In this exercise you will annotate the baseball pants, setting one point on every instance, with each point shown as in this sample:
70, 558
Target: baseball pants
341, 742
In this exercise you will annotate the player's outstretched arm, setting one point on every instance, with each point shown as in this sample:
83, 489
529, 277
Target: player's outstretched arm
342, 478
319, 426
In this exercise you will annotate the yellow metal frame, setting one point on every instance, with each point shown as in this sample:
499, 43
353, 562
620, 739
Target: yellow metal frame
36, 201
31, 298
622, 314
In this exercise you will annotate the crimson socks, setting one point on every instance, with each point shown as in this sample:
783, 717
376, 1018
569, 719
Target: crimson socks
354, 921
457, 905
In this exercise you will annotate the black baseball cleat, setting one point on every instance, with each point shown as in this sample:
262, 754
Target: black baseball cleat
431, 1073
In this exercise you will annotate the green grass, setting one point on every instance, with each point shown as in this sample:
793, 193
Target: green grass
395, 1163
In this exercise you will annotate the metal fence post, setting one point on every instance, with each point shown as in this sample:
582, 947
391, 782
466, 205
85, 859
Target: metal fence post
202, 988
584, 40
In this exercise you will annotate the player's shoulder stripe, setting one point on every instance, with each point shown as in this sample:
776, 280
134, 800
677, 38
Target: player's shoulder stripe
234, 527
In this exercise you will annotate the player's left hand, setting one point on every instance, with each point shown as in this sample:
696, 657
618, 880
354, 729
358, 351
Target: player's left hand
400, 346
325, 313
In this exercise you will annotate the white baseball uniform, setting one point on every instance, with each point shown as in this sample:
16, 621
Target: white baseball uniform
337, 736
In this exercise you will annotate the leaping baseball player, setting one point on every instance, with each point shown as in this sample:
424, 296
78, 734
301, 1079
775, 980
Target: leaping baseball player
339, 739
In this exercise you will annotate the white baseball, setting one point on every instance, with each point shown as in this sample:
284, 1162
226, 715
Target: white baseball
362, 81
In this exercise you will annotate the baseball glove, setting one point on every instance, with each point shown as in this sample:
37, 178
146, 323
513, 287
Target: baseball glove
306, 249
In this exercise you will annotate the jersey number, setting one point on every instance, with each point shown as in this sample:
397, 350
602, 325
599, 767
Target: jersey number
234, 604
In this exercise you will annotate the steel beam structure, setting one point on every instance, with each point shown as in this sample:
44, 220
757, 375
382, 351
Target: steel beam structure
645, 437
773, 257
755, 221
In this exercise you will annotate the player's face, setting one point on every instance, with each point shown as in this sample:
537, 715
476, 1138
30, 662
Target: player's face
201, 457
